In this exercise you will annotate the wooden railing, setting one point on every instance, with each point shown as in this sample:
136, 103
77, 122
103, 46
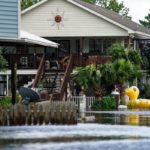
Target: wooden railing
66, 77
24, 61
96, 59
39, 72
86, 59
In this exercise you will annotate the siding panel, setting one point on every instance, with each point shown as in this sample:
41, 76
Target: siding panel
76, 22
9, 18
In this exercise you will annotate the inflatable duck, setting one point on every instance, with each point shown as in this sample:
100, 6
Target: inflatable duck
134, 102
133, 93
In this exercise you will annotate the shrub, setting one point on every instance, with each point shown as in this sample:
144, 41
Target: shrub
5, 101
107, 103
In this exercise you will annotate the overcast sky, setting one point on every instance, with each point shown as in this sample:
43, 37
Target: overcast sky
138, 8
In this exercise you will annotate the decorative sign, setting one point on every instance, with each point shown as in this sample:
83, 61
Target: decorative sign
57, 18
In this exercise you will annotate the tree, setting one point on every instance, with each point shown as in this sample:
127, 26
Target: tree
113, 5
146, 21
88, 77
3, 63
27, 3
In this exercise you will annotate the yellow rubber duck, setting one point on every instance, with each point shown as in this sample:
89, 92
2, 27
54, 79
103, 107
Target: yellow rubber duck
133, 94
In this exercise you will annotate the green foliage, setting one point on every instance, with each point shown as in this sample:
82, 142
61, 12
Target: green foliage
113, 5
107, 103
135, 57
107, 74
146, 21
125, 66
87, 76
126, 63
91, 1
117, 51
3, 63
125, 70
27, 3
18, 97
5, 101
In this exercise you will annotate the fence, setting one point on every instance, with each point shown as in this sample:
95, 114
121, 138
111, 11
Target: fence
39, 114
77, 99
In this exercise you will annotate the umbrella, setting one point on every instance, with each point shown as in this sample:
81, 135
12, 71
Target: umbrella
29, 95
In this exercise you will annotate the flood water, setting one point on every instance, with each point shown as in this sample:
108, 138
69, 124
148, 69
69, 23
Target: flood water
108, 132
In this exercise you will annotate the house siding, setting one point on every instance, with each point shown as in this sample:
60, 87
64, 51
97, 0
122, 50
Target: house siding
77, 22
9, 18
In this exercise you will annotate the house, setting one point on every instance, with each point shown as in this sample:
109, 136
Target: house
76, 24
80, 28
13, 46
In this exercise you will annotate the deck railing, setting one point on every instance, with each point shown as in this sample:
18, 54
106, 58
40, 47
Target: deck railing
86, 59
24, 61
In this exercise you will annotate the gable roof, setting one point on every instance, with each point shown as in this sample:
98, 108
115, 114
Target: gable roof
111, 16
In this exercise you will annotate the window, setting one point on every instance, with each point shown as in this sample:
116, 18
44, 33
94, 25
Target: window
2, 85
7, 49
107, 43
78, 46
95, 45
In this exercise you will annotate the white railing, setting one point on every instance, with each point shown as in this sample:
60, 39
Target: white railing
77, 99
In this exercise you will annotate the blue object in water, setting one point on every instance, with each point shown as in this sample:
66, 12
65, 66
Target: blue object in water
29, 95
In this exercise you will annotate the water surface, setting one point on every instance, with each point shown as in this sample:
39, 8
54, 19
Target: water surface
108, 132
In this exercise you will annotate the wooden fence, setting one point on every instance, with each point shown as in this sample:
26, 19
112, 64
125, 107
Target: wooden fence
39, 114
77, 99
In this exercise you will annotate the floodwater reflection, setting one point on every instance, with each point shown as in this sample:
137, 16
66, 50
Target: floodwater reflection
123, 119
110, 131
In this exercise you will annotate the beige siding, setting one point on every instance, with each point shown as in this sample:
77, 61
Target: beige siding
77, 22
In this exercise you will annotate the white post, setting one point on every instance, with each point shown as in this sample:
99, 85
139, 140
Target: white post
82, 106
134, 44
7, 84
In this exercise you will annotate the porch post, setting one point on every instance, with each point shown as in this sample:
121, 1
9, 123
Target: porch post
131, 37
81, 45
7, 84
13, 82
129, 42
134, 44
81, 49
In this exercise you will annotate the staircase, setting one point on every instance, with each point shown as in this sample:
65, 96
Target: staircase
58, 79
54, 81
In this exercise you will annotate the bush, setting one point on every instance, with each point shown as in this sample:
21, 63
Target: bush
5, 101
107, 103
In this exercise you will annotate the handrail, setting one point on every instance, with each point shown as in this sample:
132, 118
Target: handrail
39, 72
66, 77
